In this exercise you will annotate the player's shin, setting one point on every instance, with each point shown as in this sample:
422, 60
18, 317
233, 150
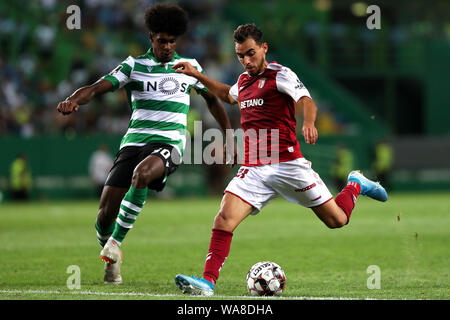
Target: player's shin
103, 234
130, 207
346, 199
219, 248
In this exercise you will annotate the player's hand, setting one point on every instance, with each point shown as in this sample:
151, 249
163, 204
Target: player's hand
67, 107
309, 131
186, 68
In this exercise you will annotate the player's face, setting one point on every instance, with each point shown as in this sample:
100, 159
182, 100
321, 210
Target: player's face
252, 56
163, 46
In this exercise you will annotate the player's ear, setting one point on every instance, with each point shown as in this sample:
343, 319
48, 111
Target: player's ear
151, 36
265, 46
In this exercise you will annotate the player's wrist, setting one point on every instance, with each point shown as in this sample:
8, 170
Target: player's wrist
308, 123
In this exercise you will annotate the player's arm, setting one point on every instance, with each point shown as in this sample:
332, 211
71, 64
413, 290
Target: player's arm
309, 129
218, 112
219, 89
83, 95
288, 83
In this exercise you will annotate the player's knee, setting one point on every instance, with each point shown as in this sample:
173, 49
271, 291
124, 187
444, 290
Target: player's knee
224, 221
220, 218
141, 178
336, 222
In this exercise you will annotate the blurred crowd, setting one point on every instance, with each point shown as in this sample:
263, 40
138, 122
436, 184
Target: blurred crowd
42, 62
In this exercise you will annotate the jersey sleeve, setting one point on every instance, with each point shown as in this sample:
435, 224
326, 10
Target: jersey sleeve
120, 76
198, 86
234, 92
289, 83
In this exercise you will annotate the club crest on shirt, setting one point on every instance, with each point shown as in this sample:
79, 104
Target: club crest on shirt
261, 82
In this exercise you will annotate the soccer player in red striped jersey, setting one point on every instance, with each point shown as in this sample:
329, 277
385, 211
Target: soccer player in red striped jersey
268, 94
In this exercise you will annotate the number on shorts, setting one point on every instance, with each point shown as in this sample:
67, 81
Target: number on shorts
164, 152
241, 173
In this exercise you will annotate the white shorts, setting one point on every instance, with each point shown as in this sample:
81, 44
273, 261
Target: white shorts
294, 180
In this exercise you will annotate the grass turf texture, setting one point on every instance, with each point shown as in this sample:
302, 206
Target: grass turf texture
407, 237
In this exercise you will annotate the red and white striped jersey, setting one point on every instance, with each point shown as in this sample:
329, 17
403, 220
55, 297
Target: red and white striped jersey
267, 102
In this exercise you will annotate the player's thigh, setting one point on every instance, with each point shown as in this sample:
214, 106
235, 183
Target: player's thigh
156, 162
250, 187
232, 211
148, 170
297, 182
331, 214
109, 204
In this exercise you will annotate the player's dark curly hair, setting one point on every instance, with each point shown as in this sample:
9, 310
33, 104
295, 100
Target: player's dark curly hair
249, 30
166, 17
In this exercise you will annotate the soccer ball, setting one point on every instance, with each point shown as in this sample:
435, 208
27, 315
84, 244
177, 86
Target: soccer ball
266, 278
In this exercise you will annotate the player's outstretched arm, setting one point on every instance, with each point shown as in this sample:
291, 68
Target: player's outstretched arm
309, 130
83, 95
217, 88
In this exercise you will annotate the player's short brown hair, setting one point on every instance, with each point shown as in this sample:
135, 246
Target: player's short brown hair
166, 17
249, 30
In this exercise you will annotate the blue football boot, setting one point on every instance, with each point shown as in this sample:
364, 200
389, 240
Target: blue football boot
369, 188
194, 286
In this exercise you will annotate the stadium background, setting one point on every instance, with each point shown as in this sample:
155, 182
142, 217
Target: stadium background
370, 85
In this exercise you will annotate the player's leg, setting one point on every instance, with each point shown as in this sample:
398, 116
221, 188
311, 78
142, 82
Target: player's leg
116, 186
128, 204
139, 168
150, 169
247, 193
107, 213
297, 182
331, 214
336, 213
233, 211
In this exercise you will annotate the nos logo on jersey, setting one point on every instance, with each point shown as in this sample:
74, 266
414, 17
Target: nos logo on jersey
168, 86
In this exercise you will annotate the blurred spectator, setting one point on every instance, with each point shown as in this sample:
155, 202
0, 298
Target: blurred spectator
99, 165
383, 161
20, 179
342, 166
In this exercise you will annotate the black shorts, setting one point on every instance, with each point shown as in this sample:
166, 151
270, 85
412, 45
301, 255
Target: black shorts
129, 157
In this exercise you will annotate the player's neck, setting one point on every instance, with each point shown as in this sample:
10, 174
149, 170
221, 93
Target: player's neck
261, 70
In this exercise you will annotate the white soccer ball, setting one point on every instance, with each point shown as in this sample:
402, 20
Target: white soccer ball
266, 278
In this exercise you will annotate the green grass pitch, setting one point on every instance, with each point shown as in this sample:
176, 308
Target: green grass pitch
407, 238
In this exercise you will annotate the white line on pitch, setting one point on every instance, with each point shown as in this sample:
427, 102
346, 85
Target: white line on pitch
144, 294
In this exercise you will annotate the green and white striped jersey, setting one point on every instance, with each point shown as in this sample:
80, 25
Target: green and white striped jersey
159, 99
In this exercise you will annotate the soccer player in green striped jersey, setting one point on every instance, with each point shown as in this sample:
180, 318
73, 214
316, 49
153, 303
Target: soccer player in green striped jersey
153, 145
